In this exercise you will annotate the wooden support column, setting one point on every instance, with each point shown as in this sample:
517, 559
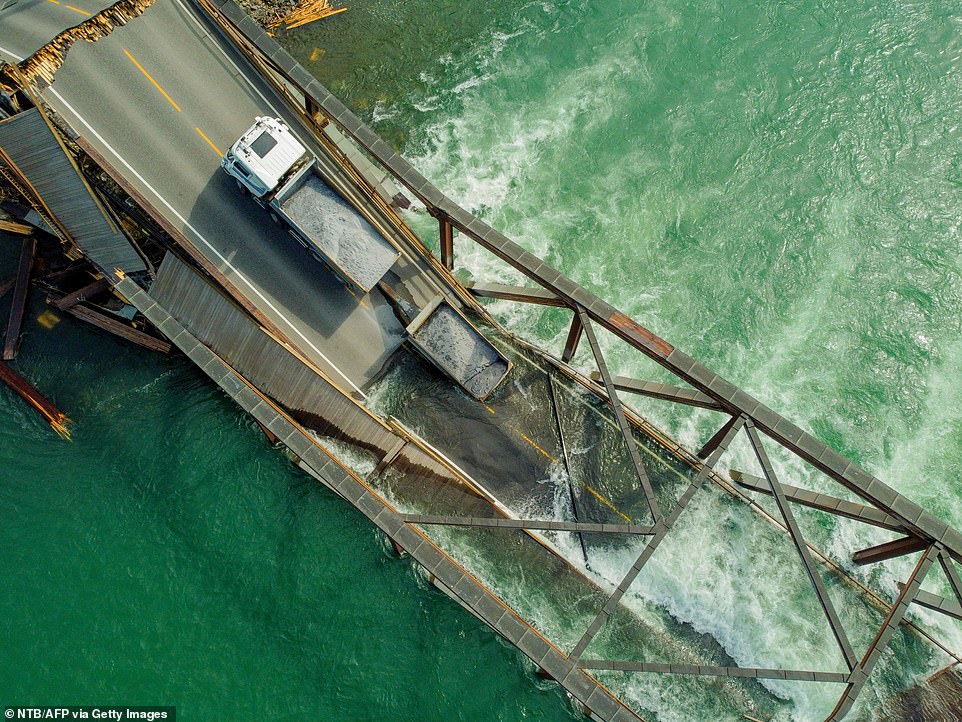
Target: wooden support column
447, 243
11, 342
574, 337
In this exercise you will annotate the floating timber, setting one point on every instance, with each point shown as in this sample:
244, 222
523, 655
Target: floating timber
25, 390
110, 325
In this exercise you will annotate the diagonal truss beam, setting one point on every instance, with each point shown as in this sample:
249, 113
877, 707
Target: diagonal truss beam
822, 502
665, 392
629, 437
799, 541
533, 524
864, 668
521, 294
712, 671
661, 530
951, 574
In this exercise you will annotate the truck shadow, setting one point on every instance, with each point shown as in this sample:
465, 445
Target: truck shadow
306, 300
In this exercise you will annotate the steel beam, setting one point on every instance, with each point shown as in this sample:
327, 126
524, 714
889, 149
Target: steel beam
665, 392
716, 439
733, 399
521, 294
626, 432
533, 524
951, 574
822, 502
661, 530
936, 603
567, 460
574, 338
447, 242
799, 541
713, 671
889, 550
864, 668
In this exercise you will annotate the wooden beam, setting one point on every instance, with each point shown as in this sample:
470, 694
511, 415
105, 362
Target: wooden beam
521, 294
106, 323
665, 392
11, 342
890, 550
82, 294
13, 227
25, 390
822, 502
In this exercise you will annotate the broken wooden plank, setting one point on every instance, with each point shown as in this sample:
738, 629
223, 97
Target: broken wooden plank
82, 294
13, 227
106, 323
11, 342
25, 390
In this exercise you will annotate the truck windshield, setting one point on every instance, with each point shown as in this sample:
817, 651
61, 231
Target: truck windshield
263, 144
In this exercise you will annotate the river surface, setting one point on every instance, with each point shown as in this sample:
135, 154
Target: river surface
775, 188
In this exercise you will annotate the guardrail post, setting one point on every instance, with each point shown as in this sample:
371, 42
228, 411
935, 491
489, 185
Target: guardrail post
447, 243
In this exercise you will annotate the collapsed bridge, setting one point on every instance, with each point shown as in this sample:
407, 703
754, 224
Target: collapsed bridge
455, 482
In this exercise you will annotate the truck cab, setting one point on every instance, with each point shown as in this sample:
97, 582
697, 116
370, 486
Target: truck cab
263, 156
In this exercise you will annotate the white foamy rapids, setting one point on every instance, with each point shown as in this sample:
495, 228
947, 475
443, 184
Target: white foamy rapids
501, 159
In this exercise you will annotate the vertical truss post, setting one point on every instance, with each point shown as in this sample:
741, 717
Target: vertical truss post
447, 242
864, 668
574, 338
623, 425
799, 541
716, 439
661, 530
953, 576
310, 107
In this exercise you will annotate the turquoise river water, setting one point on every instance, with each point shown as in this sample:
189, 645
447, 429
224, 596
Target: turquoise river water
774, 187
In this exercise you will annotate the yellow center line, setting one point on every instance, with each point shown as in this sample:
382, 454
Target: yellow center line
536, 447
156, 84
76, 10
600, 497
209, 142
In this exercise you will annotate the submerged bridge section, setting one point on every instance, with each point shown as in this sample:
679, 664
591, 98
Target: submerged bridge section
516, 506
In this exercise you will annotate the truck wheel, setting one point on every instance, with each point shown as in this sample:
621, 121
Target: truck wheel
243, 189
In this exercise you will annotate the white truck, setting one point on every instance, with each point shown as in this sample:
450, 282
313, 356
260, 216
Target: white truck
270, 164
